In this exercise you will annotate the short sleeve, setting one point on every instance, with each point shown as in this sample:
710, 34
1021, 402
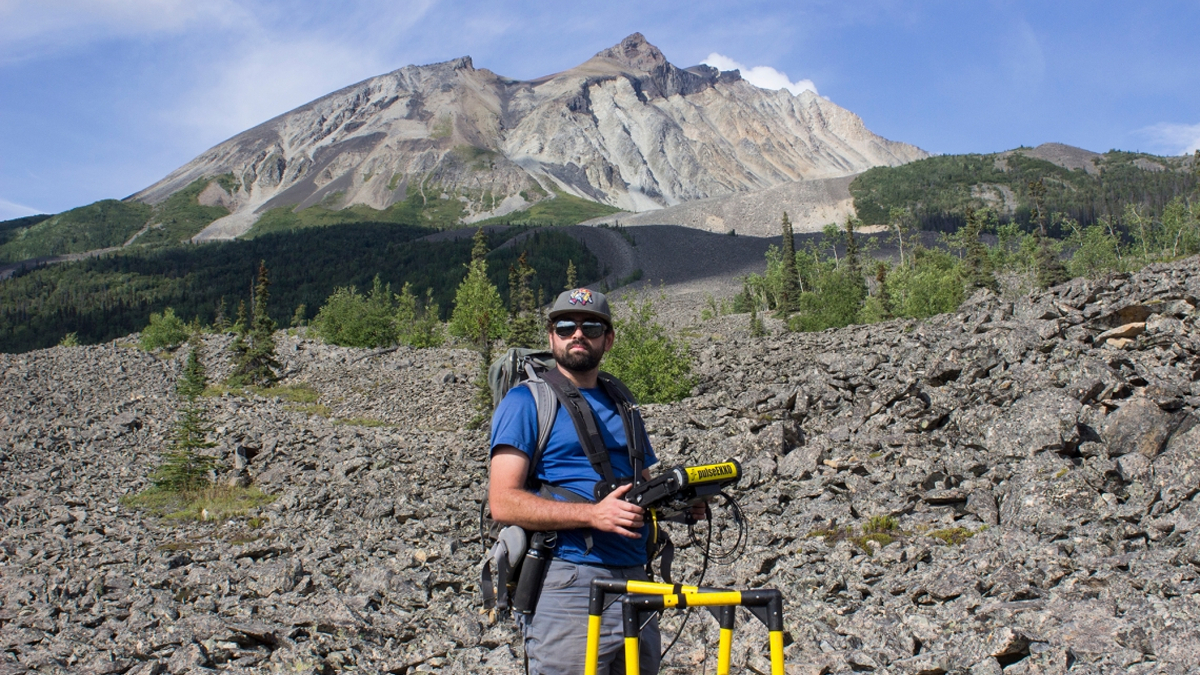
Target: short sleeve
515, 421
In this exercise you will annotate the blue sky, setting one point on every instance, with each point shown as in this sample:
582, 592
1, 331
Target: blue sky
101, 98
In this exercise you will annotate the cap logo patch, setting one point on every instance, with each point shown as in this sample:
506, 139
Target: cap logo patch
581, 296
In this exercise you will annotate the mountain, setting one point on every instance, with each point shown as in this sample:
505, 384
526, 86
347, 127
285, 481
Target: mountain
626, 128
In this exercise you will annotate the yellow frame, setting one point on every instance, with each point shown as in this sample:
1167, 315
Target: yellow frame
639, 597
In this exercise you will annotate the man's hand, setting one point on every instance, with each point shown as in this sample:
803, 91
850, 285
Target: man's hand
700, 511
614, 514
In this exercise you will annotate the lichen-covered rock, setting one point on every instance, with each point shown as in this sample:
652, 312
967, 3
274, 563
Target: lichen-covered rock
1042, 421
1139, 425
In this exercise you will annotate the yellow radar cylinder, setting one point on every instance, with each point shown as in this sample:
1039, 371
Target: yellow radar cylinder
713, 473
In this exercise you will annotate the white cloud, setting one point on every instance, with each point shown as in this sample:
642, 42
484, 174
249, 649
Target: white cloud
10, 210
1174, 139
35, 27
765, 77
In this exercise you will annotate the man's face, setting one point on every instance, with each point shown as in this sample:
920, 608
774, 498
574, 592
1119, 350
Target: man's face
577, 352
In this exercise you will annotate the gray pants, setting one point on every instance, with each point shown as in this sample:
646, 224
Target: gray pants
556, 637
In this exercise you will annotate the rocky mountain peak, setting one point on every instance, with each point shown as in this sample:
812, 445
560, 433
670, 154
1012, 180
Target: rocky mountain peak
636, 53
641, 135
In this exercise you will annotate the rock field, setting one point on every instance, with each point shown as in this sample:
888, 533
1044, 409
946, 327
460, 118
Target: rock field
1039, 460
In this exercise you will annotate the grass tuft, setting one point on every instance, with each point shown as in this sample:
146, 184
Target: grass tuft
881, 524
301, 392
882, 530
952, 536
212, 503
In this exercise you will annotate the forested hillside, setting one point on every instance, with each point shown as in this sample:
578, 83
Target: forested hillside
103, 298
938, 191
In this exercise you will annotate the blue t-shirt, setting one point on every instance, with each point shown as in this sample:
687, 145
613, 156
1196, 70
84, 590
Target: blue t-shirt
564, 464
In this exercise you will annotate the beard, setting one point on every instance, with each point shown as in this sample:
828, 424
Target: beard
578, 362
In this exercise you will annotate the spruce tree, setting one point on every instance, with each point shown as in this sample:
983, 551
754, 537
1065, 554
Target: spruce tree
572, 274
882, 294
195, 377
241, 337
183, 468
789, 291
479, 318
240, 325
524, 329
976, 266
756, 324
220, 321
427, 326
479, 313
1050, 269
257, 364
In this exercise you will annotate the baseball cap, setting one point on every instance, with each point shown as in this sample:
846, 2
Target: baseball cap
581, 301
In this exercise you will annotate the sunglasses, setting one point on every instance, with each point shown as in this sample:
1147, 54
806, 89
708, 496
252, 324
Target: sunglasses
591, 329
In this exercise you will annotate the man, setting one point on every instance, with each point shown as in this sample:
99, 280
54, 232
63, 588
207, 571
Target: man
604, 539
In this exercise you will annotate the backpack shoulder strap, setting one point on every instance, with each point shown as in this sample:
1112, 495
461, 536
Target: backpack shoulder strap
631, 417
585, 424
547, 409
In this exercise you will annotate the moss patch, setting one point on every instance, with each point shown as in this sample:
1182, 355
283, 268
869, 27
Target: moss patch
952, 536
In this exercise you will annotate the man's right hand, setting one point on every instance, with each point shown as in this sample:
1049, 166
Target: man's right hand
614, 514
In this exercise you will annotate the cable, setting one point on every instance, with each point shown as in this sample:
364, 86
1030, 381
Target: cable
703, 571
727, 556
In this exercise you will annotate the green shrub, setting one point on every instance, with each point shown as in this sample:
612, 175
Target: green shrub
350, 319
929, 286
165, 330
656, 368
69, 340
424, 329
835, 303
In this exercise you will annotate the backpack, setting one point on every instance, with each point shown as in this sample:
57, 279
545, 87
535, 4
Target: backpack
537, 370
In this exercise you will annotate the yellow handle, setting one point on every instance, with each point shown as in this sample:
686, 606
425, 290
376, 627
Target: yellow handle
776, 652
724, 647
632, 656
592, 657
